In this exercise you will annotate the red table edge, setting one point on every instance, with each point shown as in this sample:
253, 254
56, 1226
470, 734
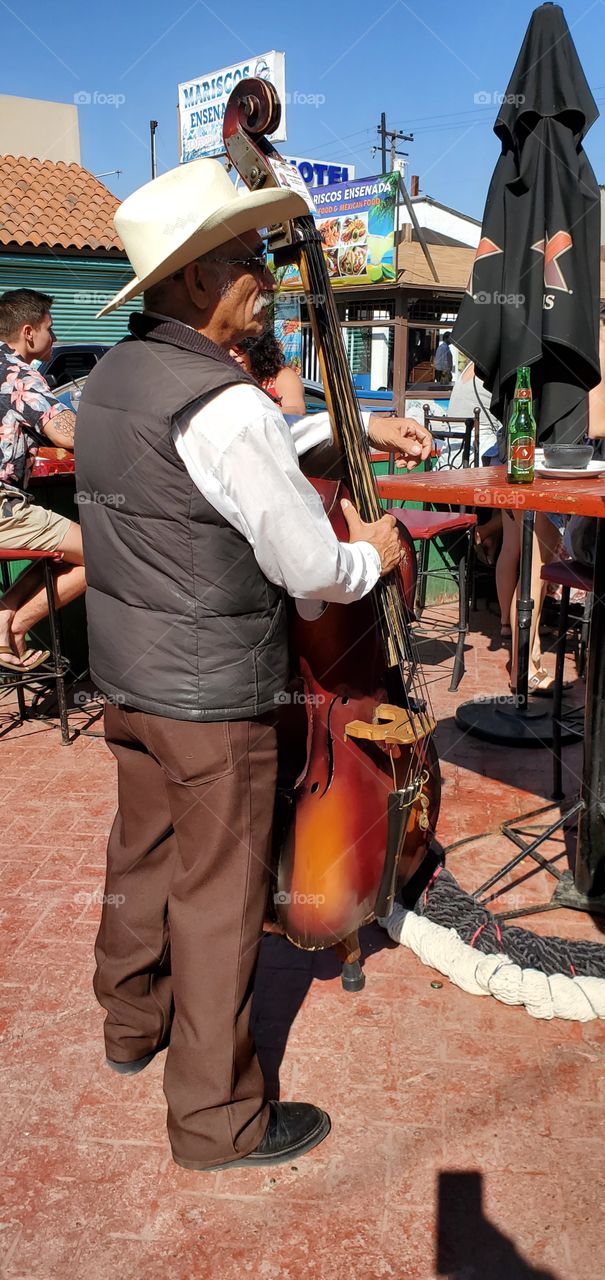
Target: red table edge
488, 487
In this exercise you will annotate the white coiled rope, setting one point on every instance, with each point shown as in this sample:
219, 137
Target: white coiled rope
558, 996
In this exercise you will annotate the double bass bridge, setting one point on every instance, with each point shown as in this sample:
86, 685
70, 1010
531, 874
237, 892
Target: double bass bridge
392, 727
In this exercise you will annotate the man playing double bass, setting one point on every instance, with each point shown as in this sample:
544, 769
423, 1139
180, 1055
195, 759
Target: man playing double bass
196, 522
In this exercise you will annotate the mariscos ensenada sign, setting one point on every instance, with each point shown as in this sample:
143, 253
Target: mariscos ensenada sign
202, 103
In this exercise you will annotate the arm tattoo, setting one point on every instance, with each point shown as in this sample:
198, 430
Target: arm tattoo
64, 425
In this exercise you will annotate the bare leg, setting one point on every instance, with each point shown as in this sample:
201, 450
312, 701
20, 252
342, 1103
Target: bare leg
23, 587
507, 567
25, 603
487, 535
69, 582
491, 526
547, 541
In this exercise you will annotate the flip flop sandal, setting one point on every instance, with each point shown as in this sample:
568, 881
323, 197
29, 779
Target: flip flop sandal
22, 665
537, 690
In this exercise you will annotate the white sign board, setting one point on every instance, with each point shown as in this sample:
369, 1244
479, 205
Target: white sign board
202, 103
321, 173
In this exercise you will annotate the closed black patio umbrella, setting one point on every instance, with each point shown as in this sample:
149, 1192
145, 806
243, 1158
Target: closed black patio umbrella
534, 290
533, 299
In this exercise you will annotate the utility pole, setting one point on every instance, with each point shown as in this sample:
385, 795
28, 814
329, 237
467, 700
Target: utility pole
153, 124
395, 136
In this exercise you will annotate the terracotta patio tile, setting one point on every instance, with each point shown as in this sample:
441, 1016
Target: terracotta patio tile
428, 1088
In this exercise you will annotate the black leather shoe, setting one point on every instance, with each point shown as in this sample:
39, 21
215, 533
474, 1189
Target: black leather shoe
138, 1064
293, 1129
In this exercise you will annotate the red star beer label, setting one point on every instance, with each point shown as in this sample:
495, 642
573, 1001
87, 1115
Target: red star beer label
521, 435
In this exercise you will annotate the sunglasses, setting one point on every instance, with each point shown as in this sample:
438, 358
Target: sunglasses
256, 262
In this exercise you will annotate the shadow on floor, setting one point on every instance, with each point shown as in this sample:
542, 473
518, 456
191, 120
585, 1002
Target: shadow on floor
283, 978
469, 1247
513, 766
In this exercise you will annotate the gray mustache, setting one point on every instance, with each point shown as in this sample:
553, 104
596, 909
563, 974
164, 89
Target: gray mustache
261, 302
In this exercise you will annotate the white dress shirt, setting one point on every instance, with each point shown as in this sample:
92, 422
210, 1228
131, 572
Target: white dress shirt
242, 455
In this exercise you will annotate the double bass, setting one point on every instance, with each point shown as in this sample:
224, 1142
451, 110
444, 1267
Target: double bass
359, 795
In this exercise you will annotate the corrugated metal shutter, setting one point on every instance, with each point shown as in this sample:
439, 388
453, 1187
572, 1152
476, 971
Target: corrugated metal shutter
80, 287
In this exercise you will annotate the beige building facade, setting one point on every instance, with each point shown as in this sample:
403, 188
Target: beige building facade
33, 127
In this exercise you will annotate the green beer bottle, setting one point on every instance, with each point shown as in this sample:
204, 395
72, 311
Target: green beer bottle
521, 443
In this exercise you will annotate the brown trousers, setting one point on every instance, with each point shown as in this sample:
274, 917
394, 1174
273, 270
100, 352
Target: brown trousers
186, 887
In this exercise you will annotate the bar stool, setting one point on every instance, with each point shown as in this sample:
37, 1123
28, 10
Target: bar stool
55, 669
570, 575
423, 527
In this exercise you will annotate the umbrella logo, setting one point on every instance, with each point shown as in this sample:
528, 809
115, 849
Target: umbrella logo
553, 248
485, 249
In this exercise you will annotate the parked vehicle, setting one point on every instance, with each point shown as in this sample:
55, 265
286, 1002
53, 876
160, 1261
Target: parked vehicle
71, 360
315, 396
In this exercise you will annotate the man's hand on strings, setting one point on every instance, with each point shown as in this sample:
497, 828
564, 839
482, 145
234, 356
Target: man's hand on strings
404, 437
383, 534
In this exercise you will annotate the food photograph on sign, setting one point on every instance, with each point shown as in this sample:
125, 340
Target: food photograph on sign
356, 222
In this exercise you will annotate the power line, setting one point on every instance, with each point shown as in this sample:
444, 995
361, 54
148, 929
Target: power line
424, 124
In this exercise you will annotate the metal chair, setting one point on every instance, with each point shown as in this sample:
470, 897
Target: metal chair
55, 669
458, 437
429, 525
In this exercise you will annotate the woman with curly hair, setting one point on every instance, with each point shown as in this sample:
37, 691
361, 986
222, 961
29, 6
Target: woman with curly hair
263, 357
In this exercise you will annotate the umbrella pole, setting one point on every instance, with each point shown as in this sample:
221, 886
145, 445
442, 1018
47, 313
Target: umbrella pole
525, 608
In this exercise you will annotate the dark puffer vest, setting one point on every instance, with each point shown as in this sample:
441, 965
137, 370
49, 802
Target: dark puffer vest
181, 620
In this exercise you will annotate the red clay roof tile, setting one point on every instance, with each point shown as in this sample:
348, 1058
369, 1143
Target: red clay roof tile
56, 205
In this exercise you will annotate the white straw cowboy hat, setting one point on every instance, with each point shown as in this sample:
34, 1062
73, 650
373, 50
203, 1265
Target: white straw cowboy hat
188, 212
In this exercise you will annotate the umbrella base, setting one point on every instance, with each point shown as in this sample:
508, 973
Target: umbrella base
499, 719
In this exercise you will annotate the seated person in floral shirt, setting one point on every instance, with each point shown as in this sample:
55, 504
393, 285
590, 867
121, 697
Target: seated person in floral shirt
30, 416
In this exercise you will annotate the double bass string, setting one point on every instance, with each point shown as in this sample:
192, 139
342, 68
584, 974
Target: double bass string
393, 614
393, 617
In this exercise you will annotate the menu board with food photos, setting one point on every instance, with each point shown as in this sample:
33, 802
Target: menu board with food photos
356, 221
287, 329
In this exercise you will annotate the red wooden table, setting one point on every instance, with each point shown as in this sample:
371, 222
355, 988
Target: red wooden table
488, 487
53, 462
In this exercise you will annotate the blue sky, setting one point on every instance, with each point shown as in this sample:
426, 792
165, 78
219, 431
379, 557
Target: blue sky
422, 65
